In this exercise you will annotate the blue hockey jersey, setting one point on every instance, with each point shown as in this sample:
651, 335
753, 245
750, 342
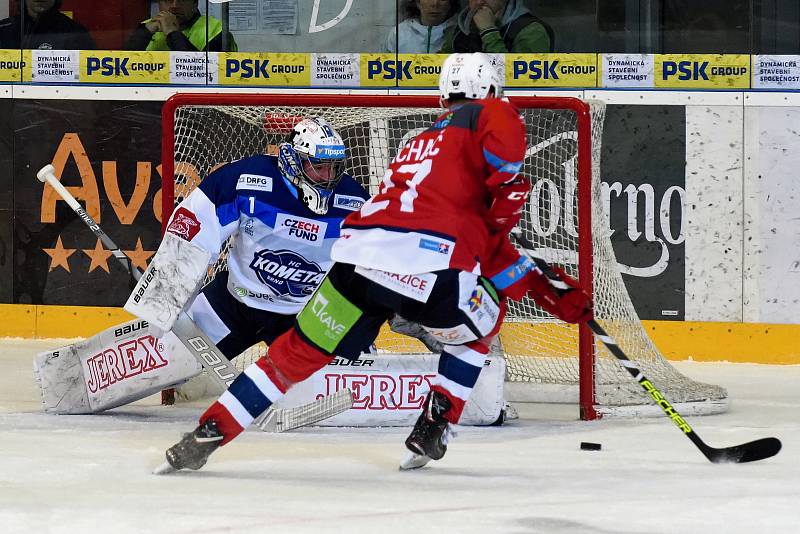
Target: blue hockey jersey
280, 249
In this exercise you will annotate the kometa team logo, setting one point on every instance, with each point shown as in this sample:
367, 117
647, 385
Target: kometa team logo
286, 272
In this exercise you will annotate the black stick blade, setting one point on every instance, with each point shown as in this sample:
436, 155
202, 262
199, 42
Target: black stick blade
746, 452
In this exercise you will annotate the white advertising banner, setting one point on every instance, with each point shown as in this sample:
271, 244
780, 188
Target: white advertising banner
776, 72
771, 259
389, 390
628, 70
192, 68
55, 66
335, 70
714, 204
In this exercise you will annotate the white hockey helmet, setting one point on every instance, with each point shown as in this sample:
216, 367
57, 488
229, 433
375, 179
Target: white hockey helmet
312, 158
470, 76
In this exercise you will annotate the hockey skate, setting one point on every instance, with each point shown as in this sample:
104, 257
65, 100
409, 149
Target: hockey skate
428, 440
192, 451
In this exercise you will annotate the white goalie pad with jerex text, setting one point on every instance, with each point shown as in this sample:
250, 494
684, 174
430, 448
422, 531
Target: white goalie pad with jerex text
115, 367
389, 389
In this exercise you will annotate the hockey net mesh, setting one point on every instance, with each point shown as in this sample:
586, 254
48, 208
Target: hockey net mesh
539, 349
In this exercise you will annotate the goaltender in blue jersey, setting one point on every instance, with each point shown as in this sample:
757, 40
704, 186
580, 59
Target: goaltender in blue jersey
280, 214
283, 214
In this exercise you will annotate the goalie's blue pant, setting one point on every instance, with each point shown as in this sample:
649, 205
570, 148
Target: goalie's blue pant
231, 325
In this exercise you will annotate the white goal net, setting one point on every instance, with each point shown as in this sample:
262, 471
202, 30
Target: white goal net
551, 361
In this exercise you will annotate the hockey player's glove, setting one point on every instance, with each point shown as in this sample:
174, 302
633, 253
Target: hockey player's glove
516, 276
571, 306
506, 207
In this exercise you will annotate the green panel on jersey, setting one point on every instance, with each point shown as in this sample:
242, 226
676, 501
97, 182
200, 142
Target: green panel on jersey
327, 317
491, 290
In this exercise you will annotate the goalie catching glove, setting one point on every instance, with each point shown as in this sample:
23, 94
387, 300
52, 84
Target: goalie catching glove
515, 276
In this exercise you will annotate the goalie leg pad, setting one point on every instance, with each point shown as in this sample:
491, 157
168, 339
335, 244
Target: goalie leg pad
115, 367
170, 281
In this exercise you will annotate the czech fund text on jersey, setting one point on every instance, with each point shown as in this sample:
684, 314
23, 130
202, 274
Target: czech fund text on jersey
280, 250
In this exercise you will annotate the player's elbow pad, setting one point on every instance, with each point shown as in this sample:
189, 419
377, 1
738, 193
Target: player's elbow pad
506, 209
169, 282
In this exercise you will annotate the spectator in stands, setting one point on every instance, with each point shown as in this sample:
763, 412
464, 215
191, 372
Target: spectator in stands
179, 27
498, 26
42, 26
423, 28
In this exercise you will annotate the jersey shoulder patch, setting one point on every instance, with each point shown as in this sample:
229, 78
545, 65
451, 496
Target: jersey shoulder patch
349, 195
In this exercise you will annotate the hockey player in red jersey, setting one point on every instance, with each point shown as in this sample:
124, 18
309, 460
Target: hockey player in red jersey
432, 246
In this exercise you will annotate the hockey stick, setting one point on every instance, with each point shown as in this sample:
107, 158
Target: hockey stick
196, 342
746, 452
283, 419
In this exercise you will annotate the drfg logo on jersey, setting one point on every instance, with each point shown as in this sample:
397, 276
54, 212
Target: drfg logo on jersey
287, 272
127, 360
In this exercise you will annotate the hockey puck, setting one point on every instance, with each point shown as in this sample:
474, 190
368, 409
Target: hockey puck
586, 446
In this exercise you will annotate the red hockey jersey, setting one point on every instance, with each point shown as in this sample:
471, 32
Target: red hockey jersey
433, 208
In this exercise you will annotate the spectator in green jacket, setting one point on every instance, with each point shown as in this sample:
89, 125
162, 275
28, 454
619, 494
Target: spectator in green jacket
179, 27
498, 26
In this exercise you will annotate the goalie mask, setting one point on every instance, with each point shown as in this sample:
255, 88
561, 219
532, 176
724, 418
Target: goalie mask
470, 76
312, 158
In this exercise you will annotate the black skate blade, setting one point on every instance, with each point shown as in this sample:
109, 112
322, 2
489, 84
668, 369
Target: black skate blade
164, 469
746, 452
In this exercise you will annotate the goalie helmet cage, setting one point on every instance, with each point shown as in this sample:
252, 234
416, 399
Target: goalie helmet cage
547, 360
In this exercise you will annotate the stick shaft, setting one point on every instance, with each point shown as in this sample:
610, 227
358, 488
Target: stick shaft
93, 226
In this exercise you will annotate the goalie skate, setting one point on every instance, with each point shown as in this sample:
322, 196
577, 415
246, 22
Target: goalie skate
193, 450
428, 440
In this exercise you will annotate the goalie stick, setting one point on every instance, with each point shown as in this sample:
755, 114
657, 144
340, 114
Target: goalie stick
283, 419
746, 452
197, 343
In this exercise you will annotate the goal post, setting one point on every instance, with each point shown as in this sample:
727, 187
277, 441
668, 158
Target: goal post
565, 218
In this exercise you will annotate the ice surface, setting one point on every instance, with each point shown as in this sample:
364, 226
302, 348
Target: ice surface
92, 473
